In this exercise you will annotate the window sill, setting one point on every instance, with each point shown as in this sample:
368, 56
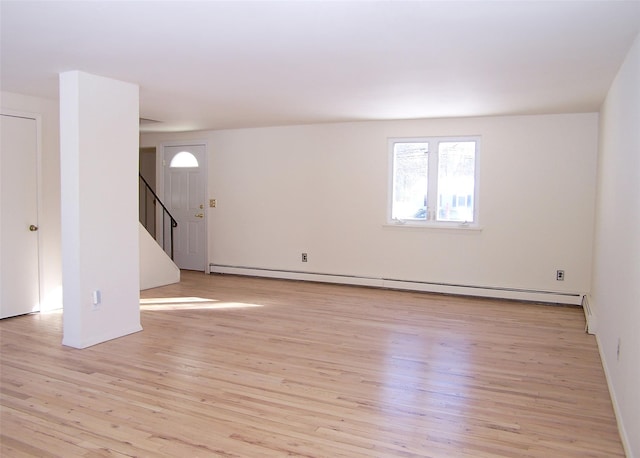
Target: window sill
438, 227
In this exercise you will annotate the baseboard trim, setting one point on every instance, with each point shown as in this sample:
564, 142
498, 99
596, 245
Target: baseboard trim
624, 437
444, 288
589, 315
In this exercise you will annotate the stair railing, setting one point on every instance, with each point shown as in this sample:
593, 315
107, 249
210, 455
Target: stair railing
149, 195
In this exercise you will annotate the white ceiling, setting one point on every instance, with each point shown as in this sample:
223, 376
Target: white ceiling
215, 65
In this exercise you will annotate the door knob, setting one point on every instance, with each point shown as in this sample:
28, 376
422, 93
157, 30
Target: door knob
33, 228
199, 215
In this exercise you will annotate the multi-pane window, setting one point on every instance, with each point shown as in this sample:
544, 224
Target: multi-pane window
434, 180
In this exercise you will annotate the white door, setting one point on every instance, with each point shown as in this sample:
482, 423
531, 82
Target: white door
185, 175
19, 281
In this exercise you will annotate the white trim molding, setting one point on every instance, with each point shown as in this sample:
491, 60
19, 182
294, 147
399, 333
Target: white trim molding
589, 315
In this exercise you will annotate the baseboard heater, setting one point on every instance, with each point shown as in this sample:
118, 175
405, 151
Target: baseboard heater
389, 283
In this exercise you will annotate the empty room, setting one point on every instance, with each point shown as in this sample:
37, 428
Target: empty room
320, 228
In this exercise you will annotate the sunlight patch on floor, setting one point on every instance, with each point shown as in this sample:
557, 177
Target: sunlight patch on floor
190, 303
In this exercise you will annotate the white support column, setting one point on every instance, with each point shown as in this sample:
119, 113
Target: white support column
99, 138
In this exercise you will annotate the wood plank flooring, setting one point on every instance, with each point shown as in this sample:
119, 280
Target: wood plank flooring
248, 367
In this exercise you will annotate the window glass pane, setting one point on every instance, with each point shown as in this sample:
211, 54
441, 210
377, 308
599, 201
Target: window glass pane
184, 159
456, 181
410, 162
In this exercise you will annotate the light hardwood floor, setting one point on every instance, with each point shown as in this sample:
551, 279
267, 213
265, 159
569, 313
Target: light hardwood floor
246, 367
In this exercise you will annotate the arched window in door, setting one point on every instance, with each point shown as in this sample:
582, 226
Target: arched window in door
184, 159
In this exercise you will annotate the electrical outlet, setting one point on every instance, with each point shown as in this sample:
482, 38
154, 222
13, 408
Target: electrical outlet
560, 275
304, 257
96, 299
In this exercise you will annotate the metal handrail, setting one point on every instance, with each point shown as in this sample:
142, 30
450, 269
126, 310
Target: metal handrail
173, 222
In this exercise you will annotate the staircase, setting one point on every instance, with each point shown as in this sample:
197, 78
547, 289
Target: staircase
156, 240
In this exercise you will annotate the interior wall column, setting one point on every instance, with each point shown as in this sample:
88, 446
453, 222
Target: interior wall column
99, 138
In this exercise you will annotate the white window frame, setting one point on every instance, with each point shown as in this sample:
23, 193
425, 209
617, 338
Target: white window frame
431, 221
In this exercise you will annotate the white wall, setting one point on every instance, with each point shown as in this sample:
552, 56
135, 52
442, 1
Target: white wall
49, 194
99, 190
616, 273
322, 189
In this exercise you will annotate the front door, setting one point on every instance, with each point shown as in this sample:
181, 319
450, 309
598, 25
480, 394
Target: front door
19, 281
184, 192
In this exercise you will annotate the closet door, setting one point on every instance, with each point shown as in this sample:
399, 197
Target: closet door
19, 281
